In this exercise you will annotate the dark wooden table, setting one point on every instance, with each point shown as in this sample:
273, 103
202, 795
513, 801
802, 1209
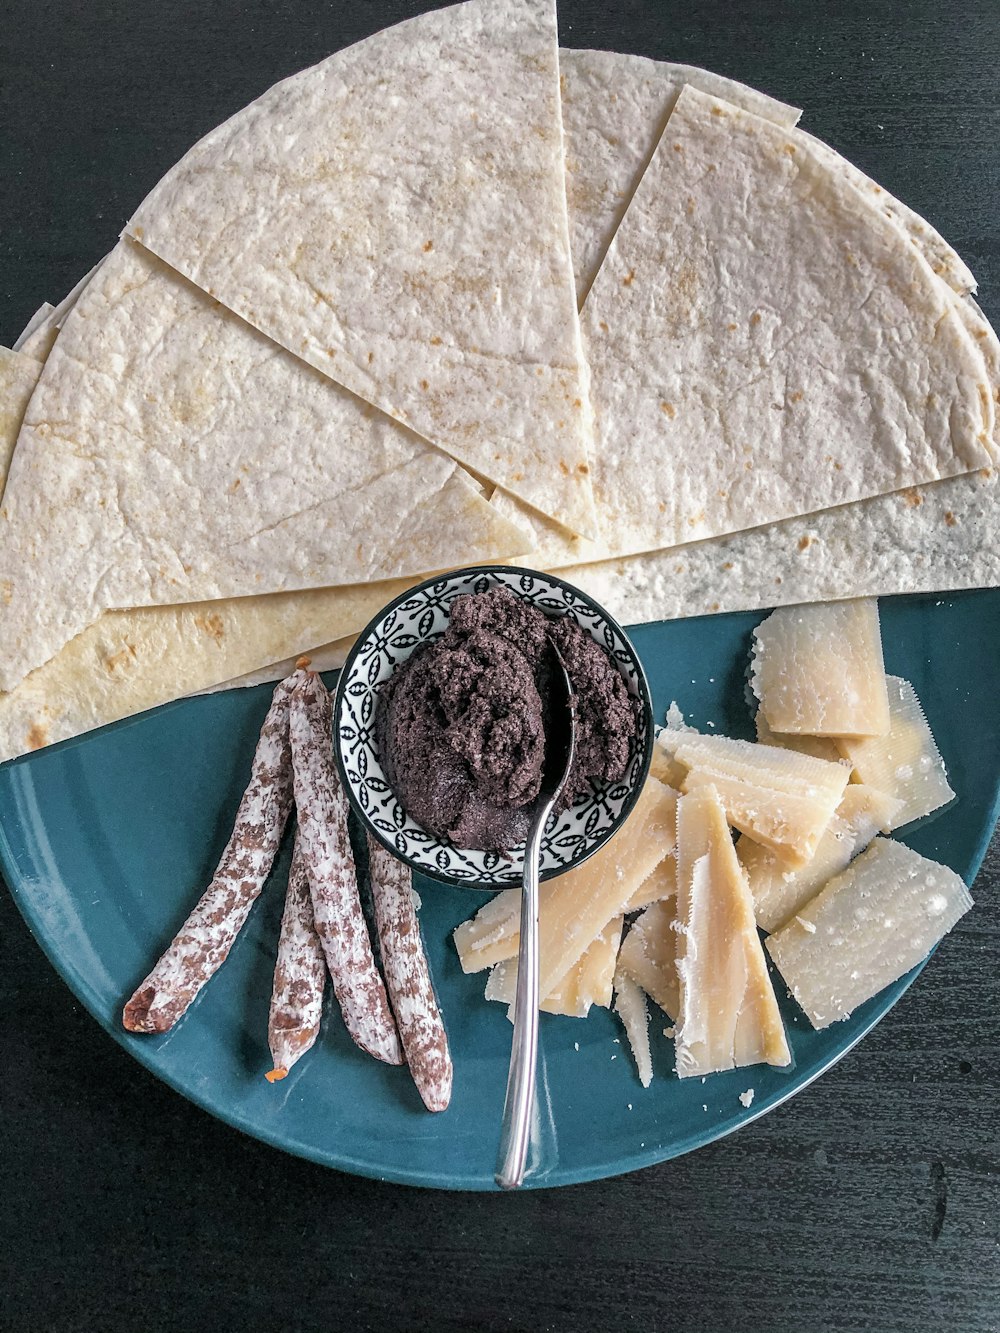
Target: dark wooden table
870, 1202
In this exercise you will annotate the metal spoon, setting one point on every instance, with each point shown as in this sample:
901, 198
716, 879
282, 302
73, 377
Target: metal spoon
519, 1102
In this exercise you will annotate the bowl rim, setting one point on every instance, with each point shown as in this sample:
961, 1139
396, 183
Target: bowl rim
643, 693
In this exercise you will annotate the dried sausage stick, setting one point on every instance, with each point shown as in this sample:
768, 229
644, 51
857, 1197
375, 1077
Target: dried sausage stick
202, 944
299, 977
408, 978
333, 880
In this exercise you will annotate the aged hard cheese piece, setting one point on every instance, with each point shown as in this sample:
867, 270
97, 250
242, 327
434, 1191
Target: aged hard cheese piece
728, 1015
588, 982
576, 907
661, 884
867, 928
820, 747
790, 825
630, 1006
818, 671
760, 765
649, 956
905, 764
779, 891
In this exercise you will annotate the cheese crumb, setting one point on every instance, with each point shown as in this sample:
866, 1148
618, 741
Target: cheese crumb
746, 1097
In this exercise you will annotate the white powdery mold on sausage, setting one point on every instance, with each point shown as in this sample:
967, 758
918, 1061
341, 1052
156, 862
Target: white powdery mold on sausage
299, 976
202, 944
333, 881
408, 978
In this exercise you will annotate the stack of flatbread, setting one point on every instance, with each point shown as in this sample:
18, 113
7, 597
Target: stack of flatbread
456, 296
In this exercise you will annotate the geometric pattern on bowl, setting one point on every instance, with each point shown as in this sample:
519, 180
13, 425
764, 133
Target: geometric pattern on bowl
420, 616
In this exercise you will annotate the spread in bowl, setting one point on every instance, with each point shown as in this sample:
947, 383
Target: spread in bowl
461, 723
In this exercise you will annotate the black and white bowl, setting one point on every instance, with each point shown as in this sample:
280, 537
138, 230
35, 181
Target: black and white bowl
419, 616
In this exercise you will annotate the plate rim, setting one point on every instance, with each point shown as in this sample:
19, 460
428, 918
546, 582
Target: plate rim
86, 994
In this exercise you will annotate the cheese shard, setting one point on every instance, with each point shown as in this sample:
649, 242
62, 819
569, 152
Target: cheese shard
649, 956
664, 766
779, 891
575, 908
817, 670
820, 747
763, 765
495, 925
728, 1015
630, 1006
587, 983
905, 764
866, 929
790, 825
660, 885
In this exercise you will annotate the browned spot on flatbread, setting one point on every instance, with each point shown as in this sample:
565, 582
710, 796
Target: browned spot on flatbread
582, 467
428, 245
37, 736
778, 579
603, 326
212, 625
435, 341
912, 497
950, 518
331, 351
689, 205
789, 148
668, 410
717, 111
138, 233
662, 507
121, 658
731, 327
564, 467
755, 318
795, 397
714, 606
728, 565
805, 543
577, 402
629, 278
678, 569
980, 333
6, 591
986, 473
424, 385
236, 486
678, 148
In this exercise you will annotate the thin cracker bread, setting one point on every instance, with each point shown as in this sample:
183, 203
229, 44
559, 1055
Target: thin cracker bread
396, 217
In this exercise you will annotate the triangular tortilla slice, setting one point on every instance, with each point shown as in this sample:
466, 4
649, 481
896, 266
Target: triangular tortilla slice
614, 109
763, 344
171, 453
396, 217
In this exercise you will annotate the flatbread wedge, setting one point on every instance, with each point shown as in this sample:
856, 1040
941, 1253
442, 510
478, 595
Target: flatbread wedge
170, 453
396, 217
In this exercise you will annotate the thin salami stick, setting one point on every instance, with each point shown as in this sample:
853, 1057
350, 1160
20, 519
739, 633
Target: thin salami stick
408, 978
333, 880
202, 944
299, 977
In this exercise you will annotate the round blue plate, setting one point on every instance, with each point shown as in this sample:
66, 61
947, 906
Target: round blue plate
107, 841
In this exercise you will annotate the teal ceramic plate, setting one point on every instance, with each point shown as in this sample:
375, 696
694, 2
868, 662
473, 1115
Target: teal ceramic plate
106, 842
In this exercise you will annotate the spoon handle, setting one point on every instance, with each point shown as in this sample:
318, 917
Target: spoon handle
515, 1129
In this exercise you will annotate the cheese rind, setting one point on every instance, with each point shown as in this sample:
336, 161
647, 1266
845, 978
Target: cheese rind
728, 1014
817, 670
866, 929
630, 1006
779, 890
649, 956
906, 764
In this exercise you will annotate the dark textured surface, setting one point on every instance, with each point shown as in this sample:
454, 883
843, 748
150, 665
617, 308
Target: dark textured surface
870, 1202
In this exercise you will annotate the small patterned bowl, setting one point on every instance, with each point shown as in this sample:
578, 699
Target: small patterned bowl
420, 615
